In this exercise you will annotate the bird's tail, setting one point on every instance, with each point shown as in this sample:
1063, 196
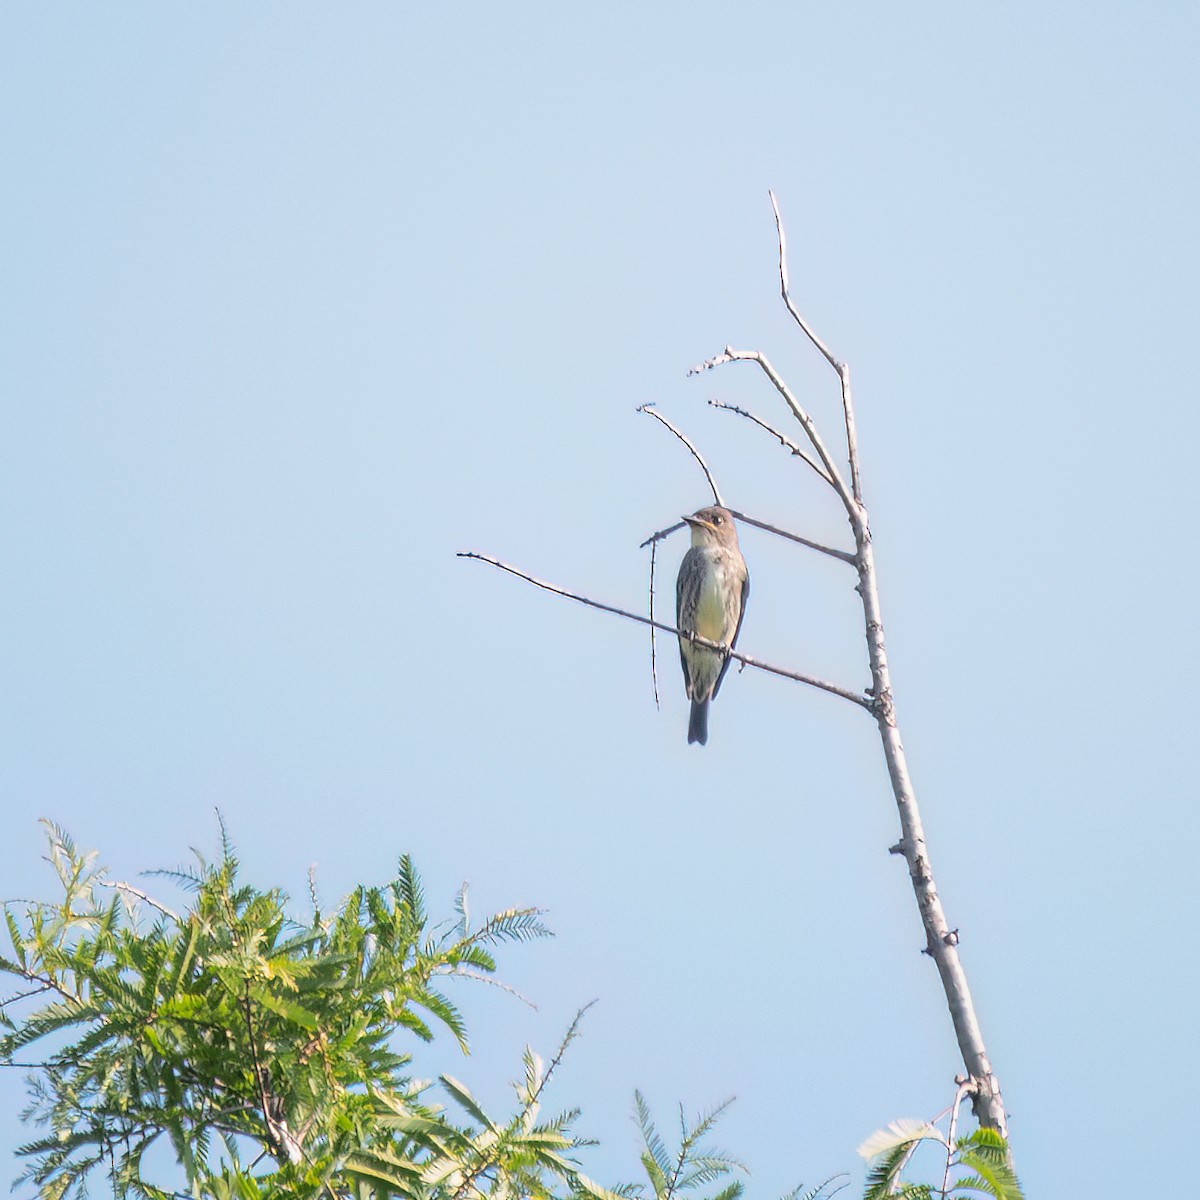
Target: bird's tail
698, 724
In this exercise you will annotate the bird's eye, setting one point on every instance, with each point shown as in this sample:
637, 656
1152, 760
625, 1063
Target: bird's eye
718, 519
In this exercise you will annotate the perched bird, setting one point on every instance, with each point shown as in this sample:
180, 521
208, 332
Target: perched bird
710, 601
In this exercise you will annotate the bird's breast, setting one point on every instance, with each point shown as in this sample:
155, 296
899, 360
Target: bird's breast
713, 607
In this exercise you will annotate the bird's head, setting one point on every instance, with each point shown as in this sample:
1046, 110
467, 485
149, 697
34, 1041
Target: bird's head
713, 526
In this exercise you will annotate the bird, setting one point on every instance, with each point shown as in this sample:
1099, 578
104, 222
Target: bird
710, 602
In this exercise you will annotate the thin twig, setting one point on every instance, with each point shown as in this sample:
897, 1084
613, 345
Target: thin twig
46, 984
651, 411
490, 1160
653, 631
282, 1140
259, 1079
964, 1089
798, 411
785, 441
129, 889
785, 288
687, 1140
17, 997
858, 698
662, 533
842, 369
842, 555
851, 430
467, 973
571, 1034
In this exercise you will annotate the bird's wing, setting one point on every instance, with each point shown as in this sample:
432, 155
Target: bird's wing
733, 640
683, 573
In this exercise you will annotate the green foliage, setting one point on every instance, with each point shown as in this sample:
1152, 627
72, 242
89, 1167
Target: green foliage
975, 1165
232, 1052
231, 1034
694, 1166
525, 1156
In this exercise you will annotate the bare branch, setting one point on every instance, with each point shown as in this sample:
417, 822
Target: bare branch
653, 631
965, 1087
842, 369
45, 984
786, 292
842, 555
708, 364
841, 1187
651, 411
784, 440
138, 894
467, 973
851, 430
834, 689
17, 997
662, 533
941, 939
801, 415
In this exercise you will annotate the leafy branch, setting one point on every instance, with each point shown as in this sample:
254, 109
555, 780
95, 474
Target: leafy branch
977, 1164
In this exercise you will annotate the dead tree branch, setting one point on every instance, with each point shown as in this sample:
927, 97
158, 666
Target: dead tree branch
862, 700
783, 439
785, 287
766, 527
798, 411
941, 940
662, 533
651, 411
841, 555
653, 642
842, 369
138, 894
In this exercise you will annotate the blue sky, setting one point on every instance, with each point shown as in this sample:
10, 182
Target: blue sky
299, 300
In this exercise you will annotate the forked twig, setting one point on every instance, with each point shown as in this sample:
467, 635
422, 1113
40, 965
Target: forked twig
785, 288
798, 411
842, 369
859, 698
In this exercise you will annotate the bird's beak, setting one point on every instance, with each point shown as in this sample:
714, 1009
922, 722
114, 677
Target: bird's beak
697, 523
